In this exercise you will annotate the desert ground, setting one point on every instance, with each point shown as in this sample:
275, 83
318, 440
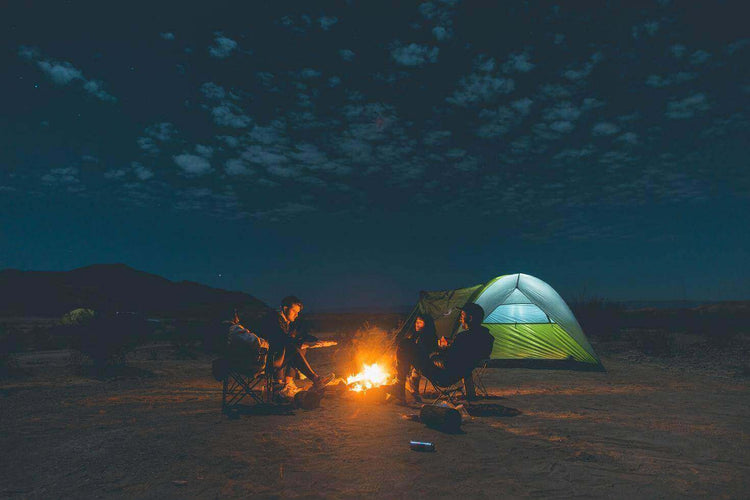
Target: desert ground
644, 429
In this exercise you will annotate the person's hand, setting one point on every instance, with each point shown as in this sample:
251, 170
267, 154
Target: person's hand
442, 343
263, 343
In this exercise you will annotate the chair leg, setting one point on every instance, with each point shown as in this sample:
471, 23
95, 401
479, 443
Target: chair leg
224, 394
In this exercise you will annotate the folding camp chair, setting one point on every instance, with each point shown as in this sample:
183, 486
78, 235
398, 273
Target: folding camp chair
241, 379
450, 392
445, 393
478, 375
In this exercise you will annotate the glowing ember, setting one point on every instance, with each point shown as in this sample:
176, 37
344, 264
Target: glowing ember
371, 376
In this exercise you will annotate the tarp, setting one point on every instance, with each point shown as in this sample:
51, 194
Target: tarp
532, 325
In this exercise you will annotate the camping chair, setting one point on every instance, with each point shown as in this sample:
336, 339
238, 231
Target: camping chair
444, 393
478, 375
241, 379
450, 392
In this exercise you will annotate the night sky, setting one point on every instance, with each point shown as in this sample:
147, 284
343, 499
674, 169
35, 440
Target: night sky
354, 153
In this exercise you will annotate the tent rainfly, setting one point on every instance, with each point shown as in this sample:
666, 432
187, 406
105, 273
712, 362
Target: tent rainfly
532, 325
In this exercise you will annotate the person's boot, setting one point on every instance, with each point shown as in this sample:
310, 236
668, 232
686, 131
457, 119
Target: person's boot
412, 387
320, 382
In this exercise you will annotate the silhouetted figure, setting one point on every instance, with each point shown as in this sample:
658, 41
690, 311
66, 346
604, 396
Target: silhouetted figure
278, 328
422, 338
456, 361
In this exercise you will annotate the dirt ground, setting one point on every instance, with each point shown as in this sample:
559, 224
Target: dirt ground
641, 430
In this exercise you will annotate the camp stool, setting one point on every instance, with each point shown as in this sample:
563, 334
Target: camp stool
240, 382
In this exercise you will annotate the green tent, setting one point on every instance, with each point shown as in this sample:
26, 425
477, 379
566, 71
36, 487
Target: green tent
532, 325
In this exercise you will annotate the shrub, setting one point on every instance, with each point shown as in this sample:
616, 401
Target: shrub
104, 339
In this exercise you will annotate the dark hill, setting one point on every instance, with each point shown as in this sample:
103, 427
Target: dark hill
116, 287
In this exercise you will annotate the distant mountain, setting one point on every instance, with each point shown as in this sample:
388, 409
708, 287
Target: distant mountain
116, 287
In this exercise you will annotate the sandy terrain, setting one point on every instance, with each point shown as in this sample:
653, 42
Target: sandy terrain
640, 430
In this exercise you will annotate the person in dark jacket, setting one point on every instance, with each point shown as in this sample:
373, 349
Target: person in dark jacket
420, 341
285, 343
458, 360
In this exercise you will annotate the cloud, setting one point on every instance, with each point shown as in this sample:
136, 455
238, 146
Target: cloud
192, 165
148, 145
648, 28
441, 34
480, 88
68, 175
436, 137
236, 166
678, 50
604, 128
688, 107
658, 81
64, 73
229, 115
141, 172
61, 73
271, 134
308, 73
263, 155
585, 70
229, 140
562, 126
522, 106
629, 138
167, 35
115, 174
565, 111
326, 22
575, 154
738, 45
498, 122
204, 151
161, 131
518, 63
334, 81
213, 91
699, 57
346, 54
414, 54
223, 47
95, 88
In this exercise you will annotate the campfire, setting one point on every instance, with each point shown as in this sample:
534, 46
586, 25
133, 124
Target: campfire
370, 377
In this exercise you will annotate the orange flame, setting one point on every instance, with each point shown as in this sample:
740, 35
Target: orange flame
371, 376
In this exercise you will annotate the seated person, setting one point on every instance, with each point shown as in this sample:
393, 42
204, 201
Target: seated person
422, 337
277, 327
456, 362
246, 350
299, 331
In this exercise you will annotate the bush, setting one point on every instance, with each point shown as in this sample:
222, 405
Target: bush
78, 317
104, 339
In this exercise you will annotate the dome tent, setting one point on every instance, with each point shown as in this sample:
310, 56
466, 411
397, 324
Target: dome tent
532, 325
